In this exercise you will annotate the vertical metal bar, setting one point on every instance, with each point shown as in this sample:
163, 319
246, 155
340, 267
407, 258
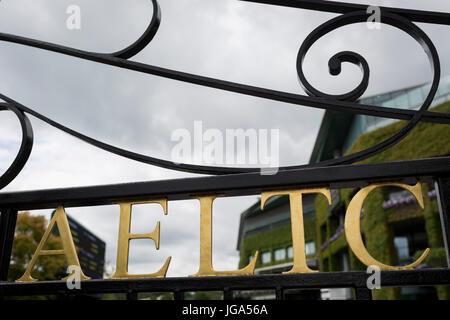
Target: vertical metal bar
227, 294
279, 293
62, 296
8, 219
363, 293
178, 295
442, 187
132, 295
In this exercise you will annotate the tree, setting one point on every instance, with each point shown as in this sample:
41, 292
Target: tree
28, 234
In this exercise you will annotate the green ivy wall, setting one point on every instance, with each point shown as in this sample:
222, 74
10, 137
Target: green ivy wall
426, 140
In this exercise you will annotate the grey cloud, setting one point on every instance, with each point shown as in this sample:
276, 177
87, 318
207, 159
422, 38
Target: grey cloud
231, 40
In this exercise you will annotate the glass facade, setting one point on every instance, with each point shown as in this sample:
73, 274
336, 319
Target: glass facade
280, 254
401, 244
290, 252
310, 248
265, 257
411, 98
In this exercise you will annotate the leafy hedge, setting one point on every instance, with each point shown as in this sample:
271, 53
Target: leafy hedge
425, 141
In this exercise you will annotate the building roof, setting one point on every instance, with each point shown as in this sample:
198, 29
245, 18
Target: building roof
271, 203
339, 124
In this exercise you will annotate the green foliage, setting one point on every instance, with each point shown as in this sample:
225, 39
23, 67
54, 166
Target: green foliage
425, 141
379, 238
156, 296
264, 241
114, 296
204, 295
28, 234
432, 220
321, 206
338, 244
271, 240
321, 221
310, 229
376, 223
436, 258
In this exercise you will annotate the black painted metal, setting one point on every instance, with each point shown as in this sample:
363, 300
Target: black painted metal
351, 279
363, 293
443, 188
229, 185
399, 18
132, 295
25, 147
335, 62
345, 7
8, 219
334, 173
145, 39
227, 294
279, 293
177, 294
232, 185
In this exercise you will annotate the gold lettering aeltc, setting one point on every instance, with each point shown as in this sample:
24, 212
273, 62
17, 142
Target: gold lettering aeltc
352, 233
298, 231
206, 268
125, 236
60, 219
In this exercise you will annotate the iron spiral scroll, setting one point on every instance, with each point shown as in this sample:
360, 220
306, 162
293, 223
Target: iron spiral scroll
349, 14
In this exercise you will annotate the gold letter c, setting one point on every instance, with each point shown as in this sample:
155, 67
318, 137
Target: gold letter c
353, 231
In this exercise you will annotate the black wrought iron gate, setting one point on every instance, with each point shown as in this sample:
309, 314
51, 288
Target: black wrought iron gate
336, 173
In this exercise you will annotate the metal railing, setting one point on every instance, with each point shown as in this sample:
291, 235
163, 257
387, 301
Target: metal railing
335, 173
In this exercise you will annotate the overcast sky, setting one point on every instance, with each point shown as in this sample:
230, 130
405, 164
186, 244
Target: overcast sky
227, 39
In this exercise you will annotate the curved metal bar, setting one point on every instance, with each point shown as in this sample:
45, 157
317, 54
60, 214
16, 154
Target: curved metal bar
395, 21
25, 146
345, 7
145, 39
118, 59
126, 153
334, 65
259, 92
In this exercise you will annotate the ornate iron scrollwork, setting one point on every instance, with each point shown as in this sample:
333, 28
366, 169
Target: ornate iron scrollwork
25, 147
350, 14
335, 63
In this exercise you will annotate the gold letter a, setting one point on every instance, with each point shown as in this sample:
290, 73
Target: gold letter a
68, 250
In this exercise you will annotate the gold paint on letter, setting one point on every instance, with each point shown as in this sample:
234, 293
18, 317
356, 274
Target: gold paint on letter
125, 236
206, 268
68, 250
297, 225
353, 231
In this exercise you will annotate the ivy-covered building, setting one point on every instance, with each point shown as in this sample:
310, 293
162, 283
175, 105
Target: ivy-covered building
394, 228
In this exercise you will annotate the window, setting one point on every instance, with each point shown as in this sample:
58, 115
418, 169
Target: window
280, 254
401, 101
401, 244
323, 233
409, 238
310, 248
265, 257
399, 195
290, 252
415, 97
